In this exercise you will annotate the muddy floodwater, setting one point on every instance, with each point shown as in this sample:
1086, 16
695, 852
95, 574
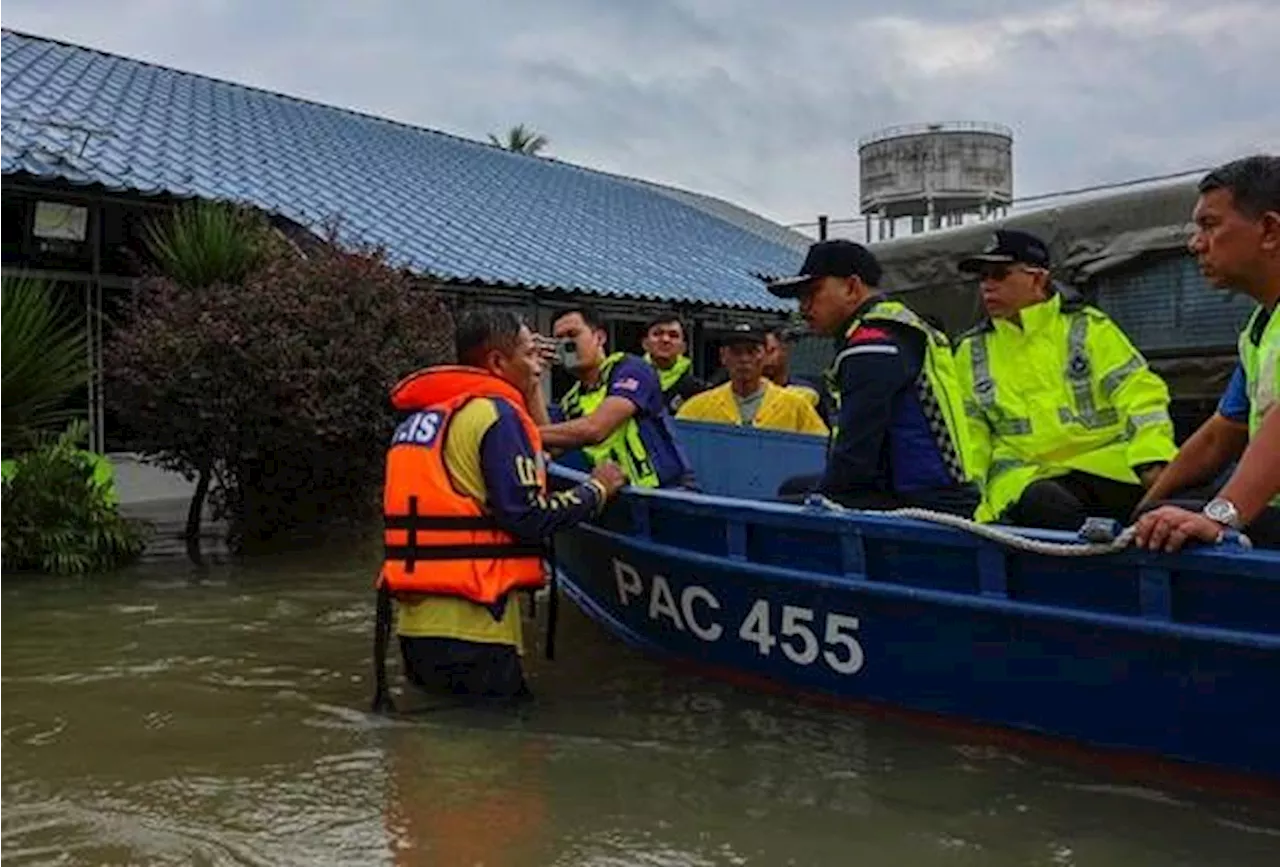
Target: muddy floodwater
217, 716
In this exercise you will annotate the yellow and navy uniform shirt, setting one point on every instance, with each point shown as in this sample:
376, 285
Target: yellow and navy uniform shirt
780, 409
488, 457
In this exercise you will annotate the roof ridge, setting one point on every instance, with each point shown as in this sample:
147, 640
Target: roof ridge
368, 116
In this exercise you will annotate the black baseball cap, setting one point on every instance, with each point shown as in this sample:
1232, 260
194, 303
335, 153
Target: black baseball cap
834, 258
744, 332
1006, 247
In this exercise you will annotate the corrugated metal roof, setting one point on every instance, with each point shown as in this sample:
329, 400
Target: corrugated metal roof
441, 205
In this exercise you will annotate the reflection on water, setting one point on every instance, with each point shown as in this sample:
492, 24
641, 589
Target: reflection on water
175, 715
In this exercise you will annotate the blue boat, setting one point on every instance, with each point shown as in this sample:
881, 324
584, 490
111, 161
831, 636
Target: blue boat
1166, 657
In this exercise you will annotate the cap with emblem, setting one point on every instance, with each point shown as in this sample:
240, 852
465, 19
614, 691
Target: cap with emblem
743, 332
1008, 246
834, 258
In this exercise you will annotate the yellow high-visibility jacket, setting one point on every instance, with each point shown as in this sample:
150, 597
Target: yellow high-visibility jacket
1063, 391
780, 409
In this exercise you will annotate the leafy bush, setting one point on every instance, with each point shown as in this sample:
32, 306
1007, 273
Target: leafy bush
274, 387
45, 359
60, 514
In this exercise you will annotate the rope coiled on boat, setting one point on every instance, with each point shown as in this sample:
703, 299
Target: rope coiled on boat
1096, 542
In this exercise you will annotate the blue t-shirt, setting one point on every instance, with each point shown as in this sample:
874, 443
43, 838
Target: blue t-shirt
634, 380
1234, 404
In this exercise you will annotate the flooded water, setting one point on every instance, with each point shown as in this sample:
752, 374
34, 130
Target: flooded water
217, 716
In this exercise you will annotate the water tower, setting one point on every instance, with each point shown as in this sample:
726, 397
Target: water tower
936, 174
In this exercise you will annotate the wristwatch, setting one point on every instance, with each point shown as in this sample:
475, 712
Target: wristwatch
1222, 511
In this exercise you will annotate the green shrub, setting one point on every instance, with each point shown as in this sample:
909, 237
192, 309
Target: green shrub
59, 511
45, 359
270, 391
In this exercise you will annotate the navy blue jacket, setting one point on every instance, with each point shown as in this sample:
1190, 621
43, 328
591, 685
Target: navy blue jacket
884, 441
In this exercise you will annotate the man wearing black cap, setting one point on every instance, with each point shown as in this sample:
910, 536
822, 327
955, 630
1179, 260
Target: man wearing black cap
748, 398
899, 434
1066, 421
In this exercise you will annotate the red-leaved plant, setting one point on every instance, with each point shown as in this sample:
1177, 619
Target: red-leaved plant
272, 391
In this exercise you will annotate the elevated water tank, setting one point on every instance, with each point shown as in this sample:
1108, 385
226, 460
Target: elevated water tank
935, 173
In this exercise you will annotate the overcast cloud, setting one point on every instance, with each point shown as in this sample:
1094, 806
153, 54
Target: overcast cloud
758, 102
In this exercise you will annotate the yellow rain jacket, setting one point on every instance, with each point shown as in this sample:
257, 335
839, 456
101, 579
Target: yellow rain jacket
780, 409
1065, 391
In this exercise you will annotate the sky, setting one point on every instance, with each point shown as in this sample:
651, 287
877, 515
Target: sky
761, 103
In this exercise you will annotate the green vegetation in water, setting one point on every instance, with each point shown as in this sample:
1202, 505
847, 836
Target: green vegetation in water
60, 513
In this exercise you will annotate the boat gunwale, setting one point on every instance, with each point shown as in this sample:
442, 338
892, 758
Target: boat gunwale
974, 601
1225, 559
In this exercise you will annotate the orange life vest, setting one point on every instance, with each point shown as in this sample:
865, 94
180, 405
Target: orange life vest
439, 541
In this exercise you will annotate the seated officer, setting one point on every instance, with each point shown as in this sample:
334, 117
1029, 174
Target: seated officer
466, 510
748, 398
898, 437
664, 348
615, 410
1237, 242
777, 368
1066, 420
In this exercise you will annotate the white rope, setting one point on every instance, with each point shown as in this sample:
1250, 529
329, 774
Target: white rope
996, 534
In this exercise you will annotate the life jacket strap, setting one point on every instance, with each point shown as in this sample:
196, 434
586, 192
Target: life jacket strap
414, 521
409, 554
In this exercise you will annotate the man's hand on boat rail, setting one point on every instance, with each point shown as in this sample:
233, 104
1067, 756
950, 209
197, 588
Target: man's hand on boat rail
1168, 528
609, 475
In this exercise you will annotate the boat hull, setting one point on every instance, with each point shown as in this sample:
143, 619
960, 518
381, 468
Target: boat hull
1090, 667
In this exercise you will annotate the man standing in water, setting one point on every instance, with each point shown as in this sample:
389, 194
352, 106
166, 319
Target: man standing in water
466, 511
1237, 243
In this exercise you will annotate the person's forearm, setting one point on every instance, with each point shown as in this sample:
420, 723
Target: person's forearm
537, 408
542, 515
1256, 480
1199, 459
570, 434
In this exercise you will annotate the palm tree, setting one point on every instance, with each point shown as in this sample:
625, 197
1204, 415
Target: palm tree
45, 361
521, 139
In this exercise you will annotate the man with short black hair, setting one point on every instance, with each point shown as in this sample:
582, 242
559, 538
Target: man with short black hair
777, 367
466, 509
1237, 243
899, 437
614, 412
664, 348
1066, 420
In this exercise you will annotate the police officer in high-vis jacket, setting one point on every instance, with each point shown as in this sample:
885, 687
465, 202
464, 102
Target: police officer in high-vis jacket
615, 411
1237, 243
1066, 420
466, 510
899, 435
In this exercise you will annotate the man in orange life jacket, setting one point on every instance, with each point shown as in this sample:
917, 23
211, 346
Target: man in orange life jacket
466, 510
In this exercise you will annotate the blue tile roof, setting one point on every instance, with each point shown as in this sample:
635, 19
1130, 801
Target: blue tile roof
441, 205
